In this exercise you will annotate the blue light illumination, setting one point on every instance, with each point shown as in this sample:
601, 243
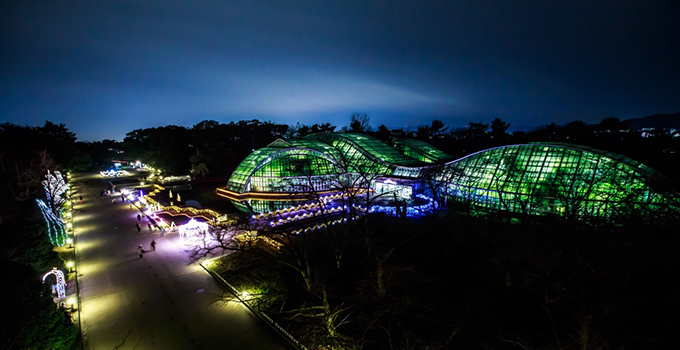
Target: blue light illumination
55, 227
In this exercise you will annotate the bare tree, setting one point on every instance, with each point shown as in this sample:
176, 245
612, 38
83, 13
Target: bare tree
24, 177
359, 123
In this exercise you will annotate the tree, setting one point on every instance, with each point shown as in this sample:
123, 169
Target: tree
201, 169
437, 129
359, 123
476, 130
55, 187
26, 154
499, 129
612, 125
322, 128
383, 133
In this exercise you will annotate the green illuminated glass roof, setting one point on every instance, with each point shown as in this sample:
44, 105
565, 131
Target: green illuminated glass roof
275, 162
368, 152
634, 164
422, 151
538, 178
563, 179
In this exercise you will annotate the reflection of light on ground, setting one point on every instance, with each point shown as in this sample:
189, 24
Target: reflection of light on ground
82, 217
84, 246
82, 230
94, 309
91, 267
85, 205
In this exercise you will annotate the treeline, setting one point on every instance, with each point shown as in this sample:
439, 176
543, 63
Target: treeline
215, 149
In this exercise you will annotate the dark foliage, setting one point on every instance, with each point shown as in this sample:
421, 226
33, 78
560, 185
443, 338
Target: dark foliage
27, 153
208, 147
30, 319
465, 282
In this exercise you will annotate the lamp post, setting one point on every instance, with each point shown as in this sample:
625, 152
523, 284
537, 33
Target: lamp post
71, 302
251, 298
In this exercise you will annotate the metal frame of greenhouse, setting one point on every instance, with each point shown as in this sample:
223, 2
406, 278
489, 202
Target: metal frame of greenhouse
535, 179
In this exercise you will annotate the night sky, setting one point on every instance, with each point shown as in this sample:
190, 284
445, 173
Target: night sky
104, 68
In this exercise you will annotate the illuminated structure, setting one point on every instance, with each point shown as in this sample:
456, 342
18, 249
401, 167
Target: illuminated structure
566, 180
60, 286
55, 186
55, 226
529, 179
193, 232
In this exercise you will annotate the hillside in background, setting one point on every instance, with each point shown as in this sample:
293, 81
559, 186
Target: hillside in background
655, 121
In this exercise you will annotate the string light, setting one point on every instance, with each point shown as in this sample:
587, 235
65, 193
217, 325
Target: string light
55, 226
61, 282
192, 232
55, 186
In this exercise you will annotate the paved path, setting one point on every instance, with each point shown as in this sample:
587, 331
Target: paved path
157, 302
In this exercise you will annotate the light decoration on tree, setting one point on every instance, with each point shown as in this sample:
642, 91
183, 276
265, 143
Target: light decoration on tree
55, 186
61, 282
55, 226
193, 232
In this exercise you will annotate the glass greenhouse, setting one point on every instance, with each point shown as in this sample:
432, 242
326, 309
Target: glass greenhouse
532, 179
422, 151
567, 180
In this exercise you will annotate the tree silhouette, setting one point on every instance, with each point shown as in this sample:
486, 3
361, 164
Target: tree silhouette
359, 123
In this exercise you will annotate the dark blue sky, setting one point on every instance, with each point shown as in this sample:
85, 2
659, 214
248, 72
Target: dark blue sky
107, 67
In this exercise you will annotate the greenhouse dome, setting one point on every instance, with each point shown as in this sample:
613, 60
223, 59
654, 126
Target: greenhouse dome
285, 167
563, 179
534, 179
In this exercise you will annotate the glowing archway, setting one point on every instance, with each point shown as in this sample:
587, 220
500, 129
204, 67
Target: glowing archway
61, 282
193, 232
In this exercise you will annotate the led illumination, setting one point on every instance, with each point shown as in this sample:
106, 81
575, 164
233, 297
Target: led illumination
55, 187
55, 227
60, 287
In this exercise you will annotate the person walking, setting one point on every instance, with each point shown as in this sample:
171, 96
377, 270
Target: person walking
140, 251
150, 228
139, 217
81, 198
139, 229
153, 244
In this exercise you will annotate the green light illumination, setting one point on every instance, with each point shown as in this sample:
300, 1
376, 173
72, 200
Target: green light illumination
537, 179
566, 180
421, 151
279, 169
367, 154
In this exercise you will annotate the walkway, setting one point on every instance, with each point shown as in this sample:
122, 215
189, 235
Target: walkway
157, 302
